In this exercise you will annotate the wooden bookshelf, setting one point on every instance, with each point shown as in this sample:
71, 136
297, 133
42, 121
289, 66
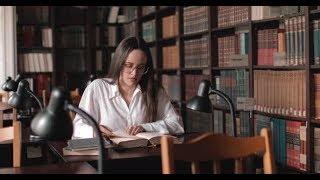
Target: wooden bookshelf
214, 32
73, 38
35, 48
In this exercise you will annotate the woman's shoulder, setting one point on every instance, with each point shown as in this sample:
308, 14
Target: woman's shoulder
105, 82
101, 83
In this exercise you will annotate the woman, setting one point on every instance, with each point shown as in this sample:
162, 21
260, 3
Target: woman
128, 99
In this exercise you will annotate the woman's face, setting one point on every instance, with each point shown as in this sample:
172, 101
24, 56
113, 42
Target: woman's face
134, 68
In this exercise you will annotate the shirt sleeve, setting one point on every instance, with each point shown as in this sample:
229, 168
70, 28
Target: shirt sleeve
89, 104
168, 121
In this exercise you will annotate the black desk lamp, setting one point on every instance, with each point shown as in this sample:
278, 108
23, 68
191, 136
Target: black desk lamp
202, 103
54, 123
10, 84
21, 98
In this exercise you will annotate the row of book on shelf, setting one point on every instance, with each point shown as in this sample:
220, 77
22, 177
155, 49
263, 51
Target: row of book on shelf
280, 92
72, 60
289, 140
196, 52
266, 12
275, 47
233, 50
170, 57
316, 143
71, 36
170, 26
282, 46
149, 30
218, 122
316, 41
36, 14
317, 95
288, 137
276, 92
234, 83
35, 62
40, 82
195, 18
30, 36
110, 36
232, 15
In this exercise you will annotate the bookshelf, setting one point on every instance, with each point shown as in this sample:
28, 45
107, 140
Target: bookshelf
63, 45
260, 43
35, 50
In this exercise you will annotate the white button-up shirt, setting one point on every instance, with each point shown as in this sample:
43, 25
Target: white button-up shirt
105, 104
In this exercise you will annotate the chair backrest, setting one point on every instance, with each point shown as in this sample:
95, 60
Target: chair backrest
44, 98
75, 97
217, 147
13, 133
4, 97
5, 111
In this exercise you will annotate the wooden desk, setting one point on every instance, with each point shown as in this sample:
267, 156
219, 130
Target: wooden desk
61, 168
132, 160
6, 148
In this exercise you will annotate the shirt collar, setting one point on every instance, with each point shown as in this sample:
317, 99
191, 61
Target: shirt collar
115, 90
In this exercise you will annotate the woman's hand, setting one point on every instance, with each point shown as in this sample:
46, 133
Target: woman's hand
106, 132
133, 130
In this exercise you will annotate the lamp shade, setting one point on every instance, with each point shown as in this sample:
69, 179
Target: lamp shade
20, 99
10, 84
201, 101
53, 123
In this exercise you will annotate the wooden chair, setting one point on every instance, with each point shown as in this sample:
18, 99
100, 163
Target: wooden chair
75, 99
45, 98
13, 133
75, 96
4, 96
5, 109
217, 147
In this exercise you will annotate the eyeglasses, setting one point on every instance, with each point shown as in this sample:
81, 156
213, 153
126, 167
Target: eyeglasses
129, 68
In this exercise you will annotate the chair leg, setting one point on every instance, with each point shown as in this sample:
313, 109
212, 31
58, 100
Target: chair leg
195, 169
238, 166
1, 119
216, 167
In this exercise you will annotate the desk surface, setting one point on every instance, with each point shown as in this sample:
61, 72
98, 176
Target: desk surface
141, 152
61, 168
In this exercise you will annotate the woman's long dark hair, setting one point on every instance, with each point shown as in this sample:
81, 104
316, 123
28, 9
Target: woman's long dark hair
149, 87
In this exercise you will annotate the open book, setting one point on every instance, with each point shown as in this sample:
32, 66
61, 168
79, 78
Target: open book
124, 140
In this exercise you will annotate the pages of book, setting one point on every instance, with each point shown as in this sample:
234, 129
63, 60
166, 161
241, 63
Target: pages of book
68, 152
125, 142
143, 137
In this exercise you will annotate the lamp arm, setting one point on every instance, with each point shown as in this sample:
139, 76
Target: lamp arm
95, 126
229, 101
35, 97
